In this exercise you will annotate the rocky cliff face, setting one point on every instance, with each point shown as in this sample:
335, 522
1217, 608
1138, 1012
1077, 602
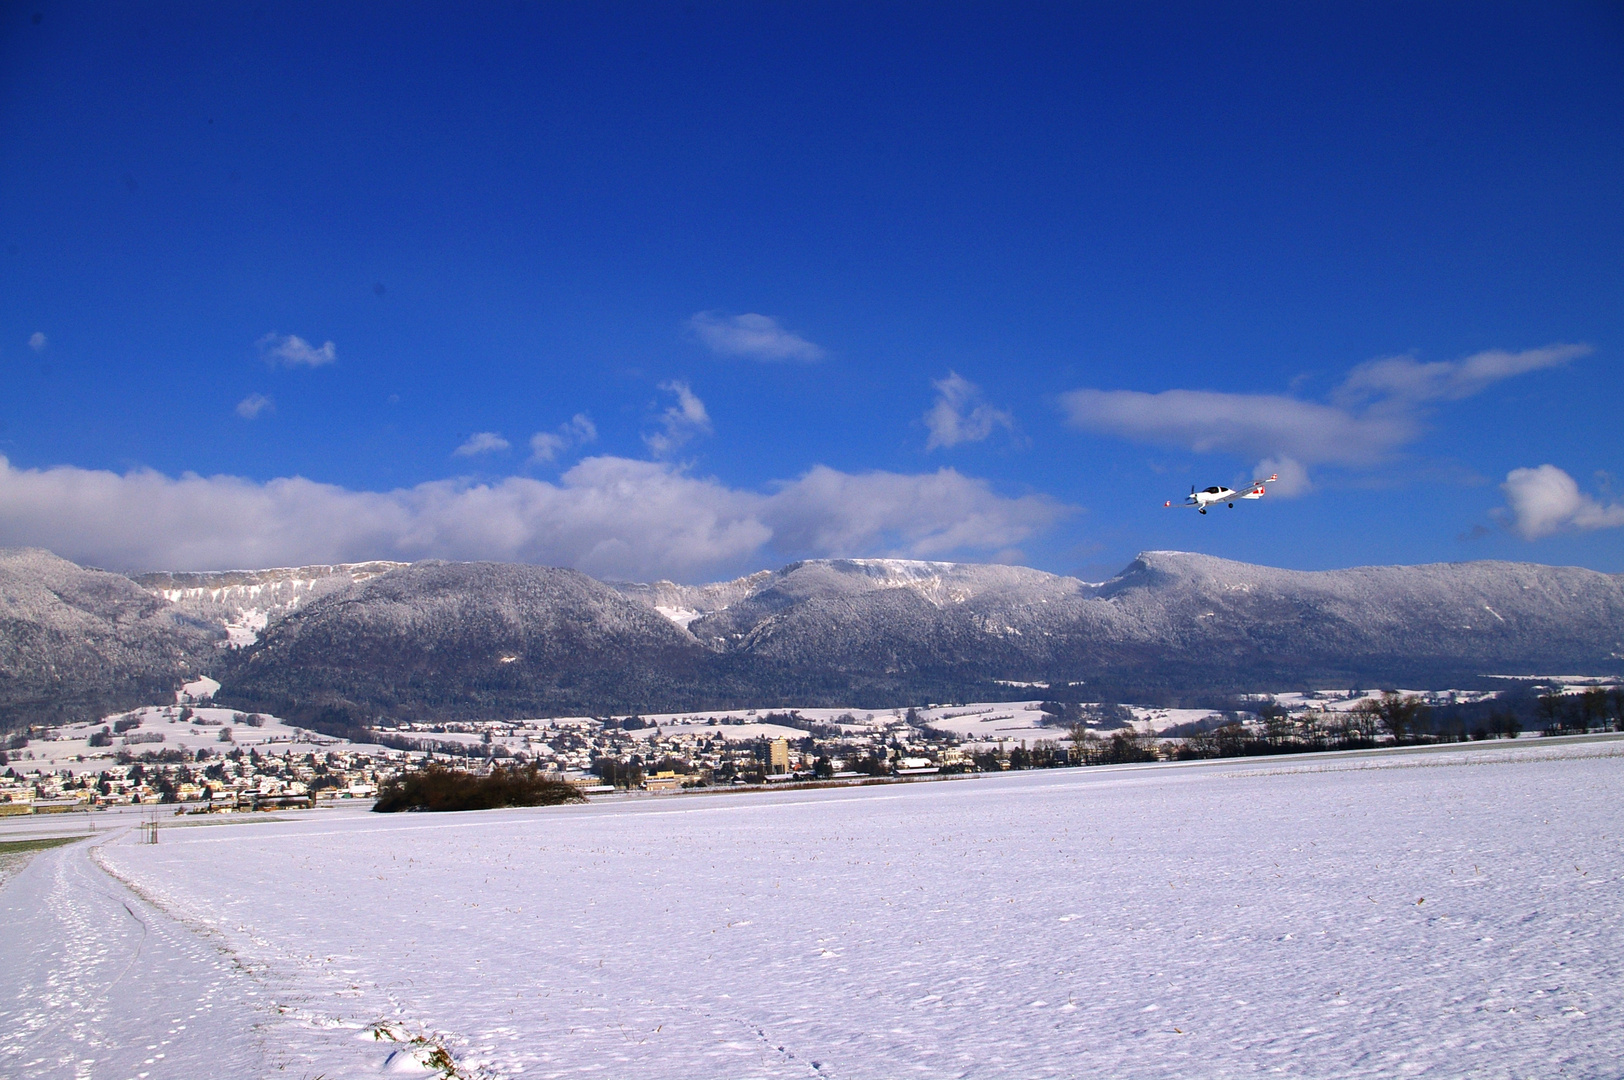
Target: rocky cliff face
384, 640
245, 601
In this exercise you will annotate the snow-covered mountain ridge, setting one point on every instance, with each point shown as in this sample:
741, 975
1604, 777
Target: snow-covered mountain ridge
938, 583
379, 640
1168, 592
887, 632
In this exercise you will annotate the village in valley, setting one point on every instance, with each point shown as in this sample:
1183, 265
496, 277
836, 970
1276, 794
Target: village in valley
200, 758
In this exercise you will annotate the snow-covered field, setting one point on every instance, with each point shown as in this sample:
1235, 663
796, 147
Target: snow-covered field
983, 723
1451, 911
68, 747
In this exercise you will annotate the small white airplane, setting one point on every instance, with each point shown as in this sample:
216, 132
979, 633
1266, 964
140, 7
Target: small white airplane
1214, 495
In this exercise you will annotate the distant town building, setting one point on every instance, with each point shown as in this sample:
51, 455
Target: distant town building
664, 780
778, 756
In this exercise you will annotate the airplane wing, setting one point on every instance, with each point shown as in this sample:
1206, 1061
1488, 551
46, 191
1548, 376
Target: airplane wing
1256, 489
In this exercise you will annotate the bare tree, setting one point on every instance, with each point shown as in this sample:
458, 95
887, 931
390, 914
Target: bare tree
1593, 708
1550, 709
1085, 745
1399, 714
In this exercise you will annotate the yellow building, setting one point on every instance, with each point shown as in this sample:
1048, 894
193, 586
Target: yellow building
778, 756
665, 780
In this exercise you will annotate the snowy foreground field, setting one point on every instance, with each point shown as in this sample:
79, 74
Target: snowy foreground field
1451, 912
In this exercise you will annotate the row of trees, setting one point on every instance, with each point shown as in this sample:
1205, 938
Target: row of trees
1599, 708
1398, 718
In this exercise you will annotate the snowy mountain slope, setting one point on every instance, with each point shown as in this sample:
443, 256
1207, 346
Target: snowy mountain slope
77, 643
489, 639
1392, 618
245, 601
888, 618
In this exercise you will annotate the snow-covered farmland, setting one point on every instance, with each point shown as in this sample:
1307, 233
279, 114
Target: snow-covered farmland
1455, 911
976, 722
157, 728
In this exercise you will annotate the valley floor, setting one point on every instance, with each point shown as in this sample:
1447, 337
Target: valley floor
1451, 912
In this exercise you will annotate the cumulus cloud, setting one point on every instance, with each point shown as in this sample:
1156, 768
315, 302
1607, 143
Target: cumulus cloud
481, 442
1292, 476
960, 415
1547, 500
290, 350
547, 445
254, 404
757, 337
680, 422
608, 516
36, 341
1376, 411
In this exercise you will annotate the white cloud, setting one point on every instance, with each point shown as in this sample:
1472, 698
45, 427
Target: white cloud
758, 337
1403, 379
481, 442
680, 422
1293, 477
36, 341
959, 414
294, 351
254, 404
1377, 410
1547, 500
608, 516
1252, 425
577, 431
830, 513
545, 446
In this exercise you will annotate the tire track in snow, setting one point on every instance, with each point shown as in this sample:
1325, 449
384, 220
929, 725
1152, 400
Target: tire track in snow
96, 982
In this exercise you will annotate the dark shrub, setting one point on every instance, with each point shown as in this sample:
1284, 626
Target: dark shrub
439, 788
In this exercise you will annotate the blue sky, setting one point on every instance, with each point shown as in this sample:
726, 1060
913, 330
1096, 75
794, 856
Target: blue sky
689, 290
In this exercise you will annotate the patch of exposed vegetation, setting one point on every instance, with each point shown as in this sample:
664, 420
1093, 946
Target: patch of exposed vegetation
422, 1051
19, 847
14, 854
439, 788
